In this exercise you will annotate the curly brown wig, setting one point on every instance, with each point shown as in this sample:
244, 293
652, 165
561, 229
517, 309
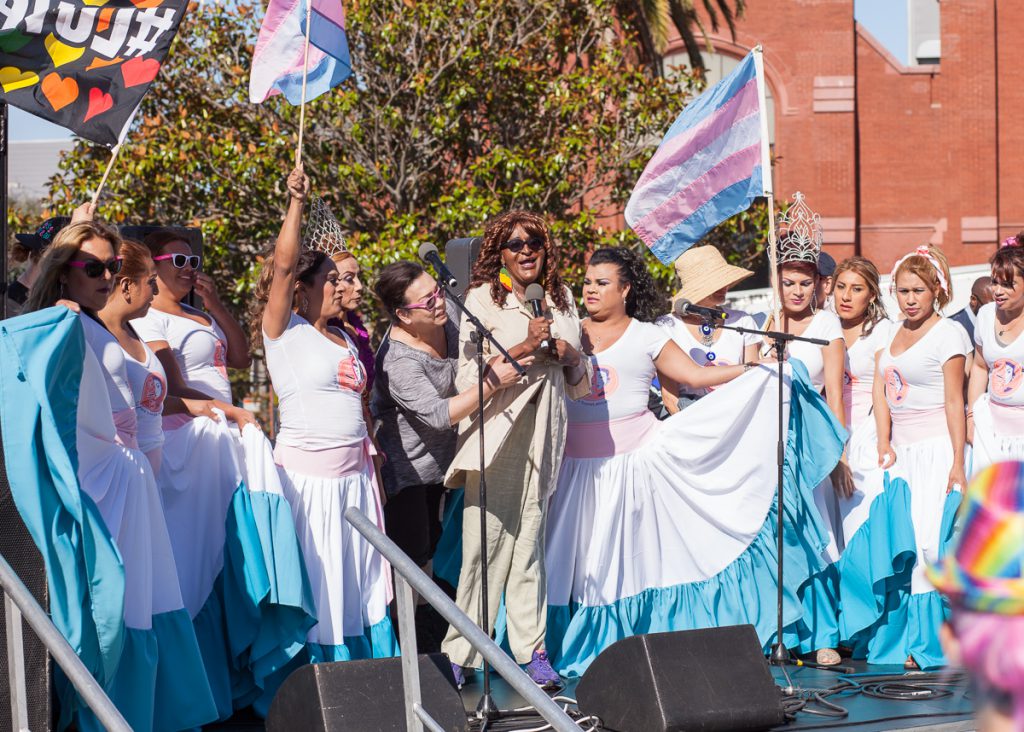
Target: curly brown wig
488, 263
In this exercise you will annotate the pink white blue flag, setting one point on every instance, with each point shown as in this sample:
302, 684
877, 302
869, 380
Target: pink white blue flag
709, 166
277, 62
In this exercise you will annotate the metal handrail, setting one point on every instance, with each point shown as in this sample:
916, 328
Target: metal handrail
18, 603
507, 668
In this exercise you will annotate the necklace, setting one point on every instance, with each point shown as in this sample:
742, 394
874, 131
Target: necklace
707, 335
1009, 325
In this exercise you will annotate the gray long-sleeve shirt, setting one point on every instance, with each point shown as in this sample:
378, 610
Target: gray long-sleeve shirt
410, 408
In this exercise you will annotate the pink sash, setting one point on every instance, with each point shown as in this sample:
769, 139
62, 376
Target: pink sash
174, 421
605, 439
1007, 419
127, 425
910, 426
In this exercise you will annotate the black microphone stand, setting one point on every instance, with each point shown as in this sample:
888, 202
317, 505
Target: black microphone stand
780, 655
486, 709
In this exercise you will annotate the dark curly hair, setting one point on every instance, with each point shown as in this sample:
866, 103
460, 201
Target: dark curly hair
644, 302
306, 269
488, 262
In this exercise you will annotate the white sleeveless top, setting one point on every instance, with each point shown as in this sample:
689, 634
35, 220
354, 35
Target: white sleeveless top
727, 350
114, 362
823, 325
621, 382
319, 385
200, 349
914, 379
1005, 360
859, 374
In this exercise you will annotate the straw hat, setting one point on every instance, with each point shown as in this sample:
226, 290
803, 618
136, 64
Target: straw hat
983, 571
703, 271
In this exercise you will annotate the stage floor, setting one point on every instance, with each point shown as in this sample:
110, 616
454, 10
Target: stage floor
951, 711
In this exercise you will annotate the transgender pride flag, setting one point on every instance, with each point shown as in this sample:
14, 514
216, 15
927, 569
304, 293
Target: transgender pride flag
709, 166
277, 62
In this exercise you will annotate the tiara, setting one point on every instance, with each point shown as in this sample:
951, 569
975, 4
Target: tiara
799, 233
323, 232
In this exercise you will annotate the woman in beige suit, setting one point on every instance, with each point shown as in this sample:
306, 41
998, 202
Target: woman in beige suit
524, 435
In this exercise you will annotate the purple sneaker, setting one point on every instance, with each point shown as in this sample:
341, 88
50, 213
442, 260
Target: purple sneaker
541, 672
460, 678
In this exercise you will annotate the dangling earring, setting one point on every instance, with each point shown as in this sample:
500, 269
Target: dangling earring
305, 306
62, 296
814, 303
505, 279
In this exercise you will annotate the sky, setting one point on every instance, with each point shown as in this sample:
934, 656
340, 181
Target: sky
886, 19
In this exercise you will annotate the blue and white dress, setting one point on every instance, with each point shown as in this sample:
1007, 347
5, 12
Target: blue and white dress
659, 526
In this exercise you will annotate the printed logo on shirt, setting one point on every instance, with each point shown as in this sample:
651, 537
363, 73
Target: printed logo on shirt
896, 387
153, 392
351, 374
1005, 377
848, 378
603, 384
220, 358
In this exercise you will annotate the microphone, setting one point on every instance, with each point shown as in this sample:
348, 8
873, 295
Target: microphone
428, 253
685, 307
535, 296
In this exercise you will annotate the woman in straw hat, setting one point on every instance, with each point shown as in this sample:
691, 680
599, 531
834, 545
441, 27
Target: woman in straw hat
983, 581
705, 278
659, 526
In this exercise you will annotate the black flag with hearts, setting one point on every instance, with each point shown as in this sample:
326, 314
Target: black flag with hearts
84, 64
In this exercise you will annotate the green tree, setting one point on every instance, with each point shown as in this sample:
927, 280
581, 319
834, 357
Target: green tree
459, 109
658, 17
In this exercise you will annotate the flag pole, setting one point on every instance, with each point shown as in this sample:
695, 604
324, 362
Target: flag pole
305, 75
768, 187
110, 166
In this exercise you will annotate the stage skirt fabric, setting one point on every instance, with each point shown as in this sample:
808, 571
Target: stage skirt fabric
677, 529
998, 433
146, 658
889, 609
237, 554
350, 580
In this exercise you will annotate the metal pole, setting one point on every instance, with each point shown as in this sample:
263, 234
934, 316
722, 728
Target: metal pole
410, 657
3, 192
86, 686
502, 663
486, 707
16, 665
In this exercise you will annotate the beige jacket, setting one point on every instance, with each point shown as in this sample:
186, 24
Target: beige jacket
544, 383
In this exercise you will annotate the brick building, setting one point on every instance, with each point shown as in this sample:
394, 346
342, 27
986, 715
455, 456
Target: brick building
895, 154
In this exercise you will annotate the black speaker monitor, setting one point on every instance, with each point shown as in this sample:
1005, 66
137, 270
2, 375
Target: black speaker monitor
714, 680
460, 255
364, 696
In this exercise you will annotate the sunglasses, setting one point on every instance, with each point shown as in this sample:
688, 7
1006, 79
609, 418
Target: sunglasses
427, 304
515, 246
94, 268
180, 260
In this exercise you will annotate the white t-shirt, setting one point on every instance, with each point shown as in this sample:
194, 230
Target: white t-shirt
148, 382
859, 376
319, 385
1005, 360
727, 350
823, 325
623, 373
200, 350
913, 380
113, 359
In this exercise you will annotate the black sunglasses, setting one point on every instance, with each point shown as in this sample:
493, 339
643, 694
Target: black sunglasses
94, 268
180, 260
515, 246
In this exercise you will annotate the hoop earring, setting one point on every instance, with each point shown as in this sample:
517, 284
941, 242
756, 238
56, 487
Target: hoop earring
814, 303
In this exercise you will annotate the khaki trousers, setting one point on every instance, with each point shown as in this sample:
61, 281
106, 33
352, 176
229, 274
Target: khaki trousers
515, 536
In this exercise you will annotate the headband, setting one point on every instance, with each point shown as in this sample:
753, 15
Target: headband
921, 251
1010, 241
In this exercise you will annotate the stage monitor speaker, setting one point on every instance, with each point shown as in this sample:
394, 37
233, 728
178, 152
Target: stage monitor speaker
460, 256
20, 551
709, 680
364, 696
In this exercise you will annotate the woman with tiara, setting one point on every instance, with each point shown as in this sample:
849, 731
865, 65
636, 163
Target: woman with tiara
323, 449
705, 278
159, 682
995, 415
216, 513
891, 613
800, 237
659, 526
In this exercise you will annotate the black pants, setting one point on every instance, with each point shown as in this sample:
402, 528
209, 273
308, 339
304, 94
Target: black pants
412, 519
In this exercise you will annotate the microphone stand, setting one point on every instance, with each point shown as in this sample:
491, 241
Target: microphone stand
486, 709
780, 655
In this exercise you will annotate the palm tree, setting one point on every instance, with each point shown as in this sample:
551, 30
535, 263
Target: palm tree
657, 15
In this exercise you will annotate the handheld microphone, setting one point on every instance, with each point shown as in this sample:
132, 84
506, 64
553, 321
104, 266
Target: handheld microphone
428, 253
685, 307
535, 296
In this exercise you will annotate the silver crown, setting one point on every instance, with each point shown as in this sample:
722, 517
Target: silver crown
323, 232
799, 233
